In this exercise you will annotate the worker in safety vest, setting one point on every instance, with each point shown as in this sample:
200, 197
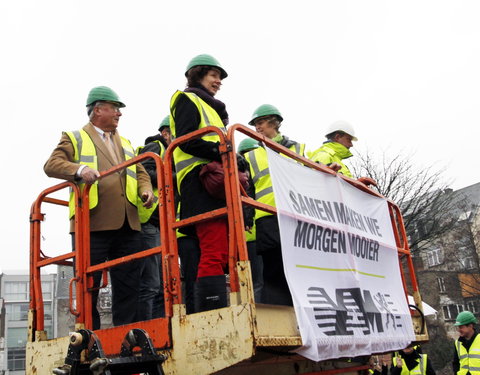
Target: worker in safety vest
336, 148
267, 120
114, 222
410, 361
151, 299
194, 108
256, 261
466, 357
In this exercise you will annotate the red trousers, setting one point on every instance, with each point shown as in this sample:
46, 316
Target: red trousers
213, 240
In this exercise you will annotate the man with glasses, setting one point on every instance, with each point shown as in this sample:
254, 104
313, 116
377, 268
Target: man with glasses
114, 224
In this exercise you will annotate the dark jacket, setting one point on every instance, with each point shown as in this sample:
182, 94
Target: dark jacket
193, 197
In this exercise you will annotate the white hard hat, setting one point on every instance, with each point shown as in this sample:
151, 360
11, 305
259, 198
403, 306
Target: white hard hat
342, 126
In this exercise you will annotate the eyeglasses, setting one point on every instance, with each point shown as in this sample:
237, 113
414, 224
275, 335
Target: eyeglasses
113, 105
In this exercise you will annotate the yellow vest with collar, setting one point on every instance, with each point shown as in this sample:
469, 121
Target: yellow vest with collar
85, 153
184, 162
469, 361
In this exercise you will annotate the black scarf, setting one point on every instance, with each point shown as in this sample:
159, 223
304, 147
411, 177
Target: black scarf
216, 104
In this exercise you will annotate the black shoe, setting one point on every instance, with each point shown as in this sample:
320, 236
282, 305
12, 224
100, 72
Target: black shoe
210, 293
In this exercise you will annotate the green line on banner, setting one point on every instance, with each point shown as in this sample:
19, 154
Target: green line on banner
340, 270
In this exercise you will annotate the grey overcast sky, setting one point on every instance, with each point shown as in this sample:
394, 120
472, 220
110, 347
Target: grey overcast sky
406, 74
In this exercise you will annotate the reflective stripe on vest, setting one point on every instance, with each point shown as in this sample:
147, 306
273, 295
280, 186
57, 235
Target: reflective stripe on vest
469, 361
184, 162
85, 153
261, 176
144, 214
420, 369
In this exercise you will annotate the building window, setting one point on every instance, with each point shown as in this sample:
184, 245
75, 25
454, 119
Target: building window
472, 306
17, 337
451, 311
16, 291
47, 290
468, 263
16, 311
16, 359
441, 284
434, 257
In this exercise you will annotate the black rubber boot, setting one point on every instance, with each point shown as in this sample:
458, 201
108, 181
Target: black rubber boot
210, 293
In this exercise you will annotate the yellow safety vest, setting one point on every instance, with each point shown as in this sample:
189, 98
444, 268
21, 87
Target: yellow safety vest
144, 213
469, 361
86, 154
420, 369
252, 235
332, 152
184, 162
261, 176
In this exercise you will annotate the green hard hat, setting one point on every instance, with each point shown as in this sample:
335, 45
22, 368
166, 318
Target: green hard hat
206, 60
465, 317
165, 123
103, 93
265, 110
247, 144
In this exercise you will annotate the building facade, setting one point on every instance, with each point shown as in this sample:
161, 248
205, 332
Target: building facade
15, 294
448, 270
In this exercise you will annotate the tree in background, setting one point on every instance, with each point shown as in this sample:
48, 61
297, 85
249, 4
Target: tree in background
443, 229
419, 191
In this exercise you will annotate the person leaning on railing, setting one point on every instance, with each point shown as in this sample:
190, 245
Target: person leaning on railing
114, 224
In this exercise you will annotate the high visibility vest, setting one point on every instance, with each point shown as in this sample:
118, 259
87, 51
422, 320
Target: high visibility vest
252, 235
469, 361
85, 153
144, 214
332, 152
184, 162
419, 369
261, 175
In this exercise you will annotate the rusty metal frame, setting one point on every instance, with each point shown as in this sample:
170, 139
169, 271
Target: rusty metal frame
237, 250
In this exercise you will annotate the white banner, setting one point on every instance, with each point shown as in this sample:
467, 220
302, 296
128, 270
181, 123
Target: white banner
341, 264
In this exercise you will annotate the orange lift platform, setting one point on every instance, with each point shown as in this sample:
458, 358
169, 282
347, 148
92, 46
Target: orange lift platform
245, 337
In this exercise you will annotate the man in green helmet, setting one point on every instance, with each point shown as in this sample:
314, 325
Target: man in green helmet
114, 224
466, 356
267, 120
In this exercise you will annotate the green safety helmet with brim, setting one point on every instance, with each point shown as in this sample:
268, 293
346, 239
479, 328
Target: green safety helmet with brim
165, 123
265, 110
247, 144
464, 318
103, 94
206, 60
